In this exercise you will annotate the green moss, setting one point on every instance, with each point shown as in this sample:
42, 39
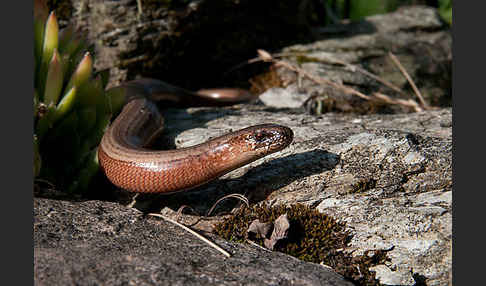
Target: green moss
312, 237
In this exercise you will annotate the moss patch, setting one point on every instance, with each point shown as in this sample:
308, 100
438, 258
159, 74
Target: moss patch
312, 237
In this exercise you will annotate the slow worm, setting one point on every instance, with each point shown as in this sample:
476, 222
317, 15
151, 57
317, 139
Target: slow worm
127, 161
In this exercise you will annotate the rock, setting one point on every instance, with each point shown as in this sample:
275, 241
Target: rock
102, 243
352, 167
362, 169
416, 35
393, 191
284, 97
187, 43
389, 277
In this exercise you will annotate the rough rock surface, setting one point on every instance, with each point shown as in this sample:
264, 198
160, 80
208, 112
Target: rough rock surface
188, 43
415, 35
100, 243
388, 176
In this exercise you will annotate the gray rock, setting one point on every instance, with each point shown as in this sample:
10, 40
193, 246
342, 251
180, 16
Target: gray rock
102, 243
417, 37
352, 167
388, 176
284, 97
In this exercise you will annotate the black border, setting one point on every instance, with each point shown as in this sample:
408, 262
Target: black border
468, 81
17, 143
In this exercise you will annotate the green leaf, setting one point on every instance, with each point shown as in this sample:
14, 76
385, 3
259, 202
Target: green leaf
445, 10
40, 16
89, 94
445, 4
446, 15
87, 121
71, 109
51, 35
66, 130
66, 36
102, 123
36, 104
50, 42
86, 174
54, 80
360, 9
74, 45
66, 104
62, 148
72, 55
74, 52
102, 102
82, 72
92, 95
105, 76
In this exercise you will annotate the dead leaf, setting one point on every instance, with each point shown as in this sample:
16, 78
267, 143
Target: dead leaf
259, 229
280, 231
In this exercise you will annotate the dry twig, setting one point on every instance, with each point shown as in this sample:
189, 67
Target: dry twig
257, 245
409, 79
267, 57
238, 196
210, 243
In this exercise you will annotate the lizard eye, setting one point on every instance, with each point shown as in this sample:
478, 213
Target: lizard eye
261, 136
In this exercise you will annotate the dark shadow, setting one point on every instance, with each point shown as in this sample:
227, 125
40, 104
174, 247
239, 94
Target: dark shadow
213, 51
345, 30
420, 280
256, 184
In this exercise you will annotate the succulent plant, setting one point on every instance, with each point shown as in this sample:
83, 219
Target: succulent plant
71, 107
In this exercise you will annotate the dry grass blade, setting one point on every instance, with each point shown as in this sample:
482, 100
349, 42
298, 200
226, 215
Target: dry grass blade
139, 7
267, 57
409, 79
373, 76
202, 238
179, 211
237, 196
409, 102
264, 55
321, 80
134, 201
257, 245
